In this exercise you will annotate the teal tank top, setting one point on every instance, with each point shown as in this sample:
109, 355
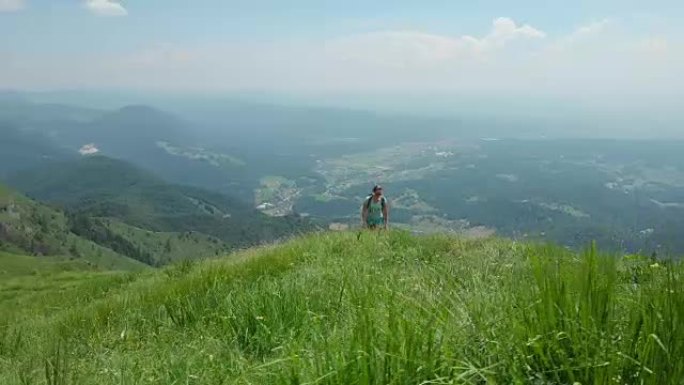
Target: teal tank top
375, 215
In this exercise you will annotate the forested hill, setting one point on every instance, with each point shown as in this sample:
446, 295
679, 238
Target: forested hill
99, 192
28, 227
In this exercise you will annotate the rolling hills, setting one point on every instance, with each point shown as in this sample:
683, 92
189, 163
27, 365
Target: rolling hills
32, 133
38, 132
360, 309
131, 132
24, 149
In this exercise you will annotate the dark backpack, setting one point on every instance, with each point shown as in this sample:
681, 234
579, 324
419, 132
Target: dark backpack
369, 199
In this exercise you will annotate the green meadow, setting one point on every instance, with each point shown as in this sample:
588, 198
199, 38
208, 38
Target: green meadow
350, 309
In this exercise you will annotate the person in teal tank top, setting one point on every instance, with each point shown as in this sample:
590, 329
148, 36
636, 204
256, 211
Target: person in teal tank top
375, 210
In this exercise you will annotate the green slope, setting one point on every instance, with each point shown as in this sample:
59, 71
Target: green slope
345, 308
25, 278
107, 188
14, 265
28, 227
167, 247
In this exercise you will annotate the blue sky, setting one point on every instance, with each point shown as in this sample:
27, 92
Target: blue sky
497, 47
69, 22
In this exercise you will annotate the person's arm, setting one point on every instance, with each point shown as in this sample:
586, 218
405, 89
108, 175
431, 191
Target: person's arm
364, 215
385, 214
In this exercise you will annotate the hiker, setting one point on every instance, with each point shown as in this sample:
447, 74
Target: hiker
375, 210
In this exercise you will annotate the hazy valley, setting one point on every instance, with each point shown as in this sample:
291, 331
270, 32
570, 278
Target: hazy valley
318, 164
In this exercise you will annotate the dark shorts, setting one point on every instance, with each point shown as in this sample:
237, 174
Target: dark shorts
374, 224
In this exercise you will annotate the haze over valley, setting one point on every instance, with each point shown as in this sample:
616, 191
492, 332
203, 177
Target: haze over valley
442, 174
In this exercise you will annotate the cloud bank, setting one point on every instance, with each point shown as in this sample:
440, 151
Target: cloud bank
106, 8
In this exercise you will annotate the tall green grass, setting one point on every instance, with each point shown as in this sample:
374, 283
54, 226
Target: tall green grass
385, 308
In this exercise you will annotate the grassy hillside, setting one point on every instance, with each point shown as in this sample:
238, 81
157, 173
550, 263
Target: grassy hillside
346, 308
28, 227
13, 265
25, 278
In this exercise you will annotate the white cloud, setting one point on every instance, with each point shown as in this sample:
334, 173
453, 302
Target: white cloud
587, 35
408, 48
106, 7
12, 5
609, 57
505, 29
590, 30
